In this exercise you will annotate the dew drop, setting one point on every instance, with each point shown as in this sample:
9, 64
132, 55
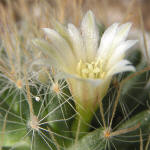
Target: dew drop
37, 98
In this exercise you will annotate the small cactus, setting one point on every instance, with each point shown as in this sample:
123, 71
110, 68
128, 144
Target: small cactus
72, 89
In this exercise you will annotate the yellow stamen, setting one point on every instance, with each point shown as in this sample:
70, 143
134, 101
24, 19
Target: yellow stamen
90, 70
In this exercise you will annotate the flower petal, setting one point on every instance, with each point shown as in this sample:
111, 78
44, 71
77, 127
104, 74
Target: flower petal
90, 34
122, 66
106, 41
77, 42
62, 30
125, 69
60, 45
48, 49
122, 33
93, 82
120, 52
54, 56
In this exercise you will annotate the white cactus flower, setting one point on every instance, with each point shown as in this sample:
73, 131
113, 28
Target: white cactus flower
88, 60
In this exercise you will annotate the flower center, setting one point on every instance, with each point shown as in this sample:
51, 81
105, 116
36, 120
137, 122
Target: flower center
92, 70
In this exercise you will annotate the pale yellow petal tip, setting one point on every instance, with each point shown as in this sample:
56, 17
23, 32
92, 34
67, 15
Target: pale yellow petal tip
129, 68
133, 69
35, 41
127, 26
135, 41
46, 30
71, 26
88, 17
89, 13
38, 42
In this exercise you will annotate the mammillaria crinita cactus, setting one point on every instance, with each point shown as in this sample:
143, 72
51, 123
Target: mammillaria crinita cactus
72, 88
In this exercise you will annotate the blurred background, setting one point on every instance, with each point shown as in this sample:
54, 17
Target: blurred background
25, 18
106, 11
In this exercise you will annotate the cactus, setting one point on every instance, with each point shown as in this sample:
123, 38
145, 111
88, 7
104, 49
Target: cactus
67, 90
